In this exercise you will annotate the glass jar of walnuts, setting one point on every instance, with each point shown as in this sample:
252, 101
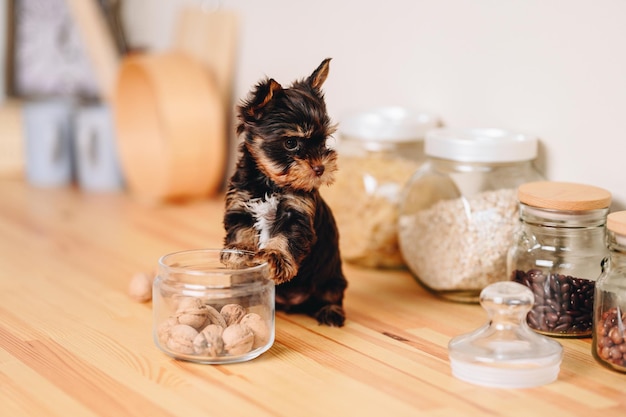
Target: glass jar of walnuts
213, 306
378, 151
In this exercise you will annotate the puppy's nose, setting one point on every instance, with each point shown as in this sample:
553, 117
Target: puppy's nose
318, 169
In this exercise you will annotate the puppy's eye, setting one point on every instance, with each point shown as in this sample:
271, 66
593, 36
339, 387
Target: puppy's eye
291, 144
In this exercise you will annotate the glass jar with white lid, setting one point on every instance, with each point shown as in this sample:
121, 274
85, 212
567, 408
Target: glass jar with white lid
458, 214
378, 151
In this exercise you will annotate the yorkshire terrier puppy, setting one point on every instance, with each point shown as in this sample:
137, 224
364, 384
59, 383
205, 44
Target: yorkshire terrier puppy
273, 206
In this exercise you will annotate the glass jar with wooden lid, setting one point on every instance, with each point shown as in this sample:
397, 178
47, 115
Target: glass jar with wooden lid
609, 336
558, 253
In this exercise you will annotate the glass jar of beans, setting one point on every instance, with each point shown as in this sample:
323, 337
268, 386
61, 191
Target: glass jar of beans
558, 253
609, 336
378, 151
459, 210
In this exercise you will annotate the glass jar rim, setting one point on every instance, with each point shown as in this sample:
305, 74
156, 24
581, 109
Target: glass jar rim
207, 271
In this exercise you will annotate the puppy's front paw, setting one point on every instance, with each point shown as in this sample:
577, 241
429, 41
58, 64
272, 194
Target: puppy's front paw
235, 258
331, 315
282, 268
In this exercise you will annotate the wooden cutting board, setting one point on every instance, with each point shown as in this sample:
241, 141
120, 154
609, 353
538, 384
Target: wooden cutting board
211, 38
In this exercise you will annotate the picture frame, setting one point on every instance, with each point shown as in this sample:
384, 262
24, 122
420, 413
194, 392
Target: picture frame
6, 48
46, 56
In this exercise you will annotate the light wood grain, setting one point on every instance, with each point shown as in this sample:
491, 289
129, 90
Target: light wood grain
564, 196
72, 342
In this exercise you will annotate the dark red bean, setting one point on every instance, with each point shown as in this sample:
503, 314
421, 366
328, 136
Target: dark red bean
611, 344
562, 327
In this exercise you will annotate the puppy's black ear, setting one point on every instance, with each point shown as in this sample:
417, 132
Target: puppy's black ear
318, 77
252, 110
263, 94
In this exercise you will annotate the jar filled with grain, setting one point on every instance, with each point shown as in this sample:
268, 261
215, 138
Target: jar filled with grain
558, 253
459, 211
378, 151
609, 336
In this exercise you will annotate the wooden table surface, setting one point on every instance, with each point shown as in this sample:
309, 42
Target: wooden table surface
72, 342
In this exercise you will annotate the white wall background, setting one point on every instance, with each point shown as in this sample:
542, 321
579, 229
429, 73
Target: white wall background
555, 68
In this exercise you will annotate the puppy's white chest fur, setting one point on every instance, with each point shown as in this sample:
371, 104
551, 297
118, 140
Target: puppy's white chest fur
264, 212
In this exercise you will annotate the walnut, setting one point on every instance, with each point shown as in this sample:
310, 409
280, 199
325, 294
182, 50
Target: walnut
259, 328
209, 341
181, 339
184, 303
192, 312
164, 329
232, 313
195, 313
140, 287
238, 339
215, 317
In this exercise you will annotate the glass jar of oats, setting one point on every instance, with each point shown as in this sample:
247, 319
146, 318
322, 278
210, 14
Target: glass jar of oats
558, 253
378, 151
609, 322
459, 211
